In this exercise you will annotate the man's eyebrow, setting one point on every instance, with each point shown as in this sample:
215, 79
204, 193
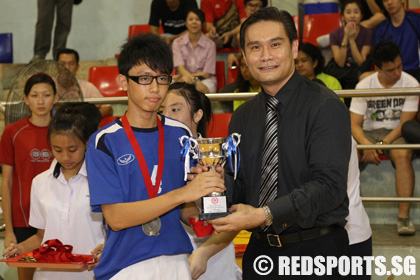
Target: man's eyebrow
271, 40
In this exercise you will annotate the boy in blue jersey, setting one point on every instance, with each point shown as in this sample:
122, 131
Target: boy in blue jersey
136, 176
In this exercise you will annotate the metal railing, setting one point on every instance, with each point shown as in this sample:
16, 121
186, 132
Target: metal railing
340, 93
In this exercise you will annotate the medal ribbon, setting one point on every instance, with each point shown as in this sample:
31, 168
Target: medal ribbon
152, 191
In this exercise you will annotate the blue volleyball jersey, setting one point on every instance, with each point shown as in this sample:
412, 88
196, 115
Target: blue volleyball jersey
115, 177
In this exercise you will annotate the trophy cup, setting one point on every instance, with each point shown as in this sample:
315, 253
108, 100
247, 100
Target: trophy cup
212, 152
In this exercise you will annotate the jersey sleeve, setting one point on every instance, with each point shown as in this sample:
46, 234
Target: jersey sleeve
7, 150
104, 183
36, 217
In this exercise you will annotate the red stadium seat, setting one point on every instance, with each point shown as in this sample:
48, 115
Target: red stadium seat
107, 120
135, 29
232, 74
318, 25
219, 125
227, 50
105, 79
220, 75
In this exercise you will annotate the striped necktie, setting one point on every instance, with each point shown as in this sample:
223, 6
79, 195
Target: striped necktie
269, 167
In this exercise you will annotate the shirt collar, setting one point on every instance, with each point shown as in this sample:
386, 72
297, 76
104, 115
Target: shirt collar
55, 170
286, 92
186, 40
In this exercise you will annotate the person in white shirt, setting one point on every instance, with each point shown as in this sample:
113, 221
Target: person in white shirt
378, 120
70, 59
60, 198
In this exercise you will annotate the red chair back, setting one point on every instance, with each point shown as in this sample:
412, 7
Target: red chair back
219, 125
135, 29
232, 74
107, 120
105, 79
220, 74
318, 25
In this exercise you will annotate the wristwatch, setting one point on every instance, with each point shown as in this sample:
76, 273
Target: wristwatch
344, 45
268, 216
382, 142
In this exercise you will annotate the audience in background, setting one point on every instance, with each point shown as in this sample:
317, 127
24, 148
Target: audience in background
70, 59
350, 46
171, 14
244, 83
378, 121
402, 27
310, 64
223, 19
194, 55
44, 25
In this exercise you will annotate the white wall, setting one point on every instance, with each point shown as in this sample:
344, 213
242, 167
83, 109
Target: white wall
99, 27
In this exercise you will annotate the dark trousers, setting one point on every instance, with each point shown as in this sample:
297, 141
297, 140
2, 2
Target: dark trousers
332, 244
45, 22
362, 249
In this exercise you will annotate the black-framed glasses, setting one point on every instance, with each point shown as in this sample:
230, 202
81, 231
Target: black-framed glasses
148, 79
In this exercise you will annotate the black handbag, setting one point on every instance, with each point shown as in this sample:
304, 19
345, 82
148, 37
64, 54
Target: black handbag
348, 76
77, 2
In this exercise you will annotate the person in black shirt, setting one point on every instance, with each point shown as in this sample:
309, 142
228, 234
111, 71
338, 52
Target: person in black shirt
171, 14
307, 216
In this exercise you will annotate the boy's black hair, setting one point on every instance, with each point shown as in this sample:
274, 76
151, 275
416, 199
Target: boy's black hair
146, 49
67, 51
315, 54
385, 51
270, 14
39, 78
197, 100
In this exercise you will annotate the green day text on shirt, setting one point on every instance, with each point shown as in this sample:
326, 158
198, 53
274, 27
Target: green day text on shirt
385, 109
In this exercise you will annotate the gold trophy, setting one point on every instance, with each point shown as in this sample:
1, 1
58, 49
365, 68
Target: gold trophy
212, 152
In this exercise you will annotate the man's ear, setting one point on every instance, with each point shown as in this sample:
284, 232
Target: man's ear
122, 82
295, 48
56, 97
25, 99
315, 63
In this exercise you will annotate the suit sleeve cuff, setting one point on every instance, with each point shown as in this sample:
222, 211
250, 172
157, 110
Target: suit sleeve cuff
283, 214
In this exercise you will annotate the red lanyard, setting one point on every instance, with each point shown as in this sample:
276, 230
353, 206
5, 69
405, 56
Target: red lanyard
152, 191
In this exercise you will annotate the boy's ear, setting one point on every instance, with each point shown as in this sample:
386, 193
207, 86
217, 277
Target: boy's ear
122, 82
25, 99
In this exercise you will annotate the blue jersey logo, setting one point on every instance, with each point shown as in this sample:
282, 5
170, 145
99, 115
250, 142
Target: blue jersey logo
125, 159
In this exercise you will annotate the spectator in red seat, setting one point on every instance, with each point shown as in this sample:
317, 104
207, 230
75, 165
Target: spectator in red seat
350, 46
378, 120
244, 83
171, 14
223, 19
194, 55
70, 59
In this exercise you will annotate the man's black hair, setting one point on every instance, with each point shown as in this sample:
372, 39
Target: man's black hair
146, 49
270, 14
385, 51
67, 51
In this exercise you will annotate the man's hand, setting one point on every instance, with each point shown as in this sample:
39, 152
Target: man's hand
371, 156
203, 184
202, 168
243, 217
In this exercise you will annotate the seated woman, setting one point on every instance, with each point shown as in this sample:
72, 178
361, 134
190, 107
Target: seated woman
195, 55
350, 45
310, 64
244, 83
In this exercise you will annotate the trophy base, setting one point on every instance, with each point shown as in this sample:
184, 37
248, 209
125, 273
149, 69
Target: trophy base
212, 216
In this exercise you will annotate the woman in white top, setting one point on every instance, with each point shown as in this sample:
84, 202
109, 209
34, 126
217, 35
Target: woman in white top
60, 200
184, 103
